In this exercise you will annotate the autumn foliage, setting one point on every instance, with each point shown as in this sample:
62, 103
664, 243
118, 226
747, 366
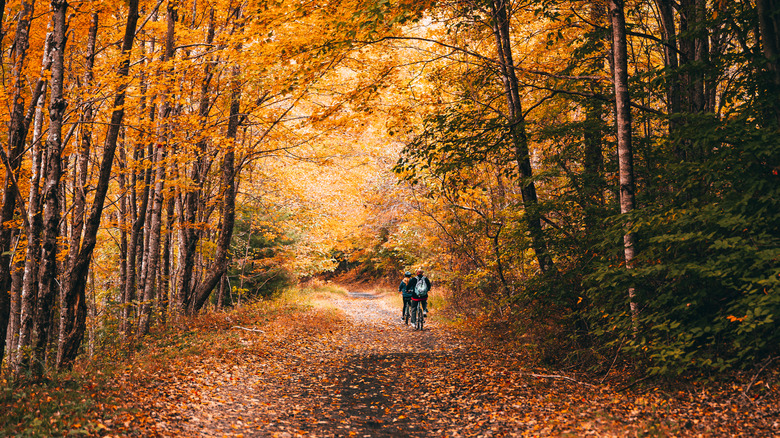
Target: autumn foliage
600, 176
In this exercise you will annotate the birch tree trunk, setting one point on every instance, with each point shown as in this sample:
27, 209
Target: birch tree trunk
76, 280
625, 151
29, 298
73, 307
152, 283
49, 286
189, 234
167, 259
17, 134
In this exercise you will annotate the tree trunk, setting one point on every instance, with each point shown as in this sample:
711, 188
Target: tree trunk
12, 335
138, 217
189, 234
501, 30
124, 206
29, 299
769, 26
151, 178
72, 306
228, 192
153, 253
165, 293
49, 286
666, 17
625, 151
17, 134
76, 280
593, 183
223, 288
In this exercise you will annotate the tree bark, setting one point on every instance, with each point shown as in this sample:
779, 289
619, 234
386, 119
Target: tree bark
625, 150
124, 206
76, 280
138, 217
593, 184
29, 298
769, 27
228, 192
516, 119
49, 286
165, 293
189, 234
666, 17
12, 160
73, 307
153, 253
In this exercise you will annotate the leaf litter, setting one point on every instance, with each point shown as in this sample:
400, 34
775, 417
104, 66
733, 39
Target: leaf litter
350, 368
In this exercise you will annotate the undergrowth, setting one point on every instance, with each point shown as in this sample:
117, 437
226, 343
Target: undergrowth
87, 401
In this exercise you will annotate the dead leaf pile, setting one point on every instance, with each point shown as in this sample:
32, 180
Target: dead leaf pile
348, 367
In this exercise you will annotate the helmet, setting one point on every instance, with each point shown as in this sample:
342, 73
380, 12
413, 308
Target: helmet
407, 274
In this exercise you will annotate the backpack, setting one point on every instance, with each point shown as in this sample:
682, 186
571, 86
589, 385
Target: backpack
421, 288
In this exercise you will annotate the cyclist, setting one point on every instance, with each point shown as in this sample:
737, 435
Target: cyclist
406, 293
419, 294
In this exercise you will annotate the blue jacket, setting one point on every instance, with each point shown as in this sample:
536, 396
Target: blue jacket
405, 289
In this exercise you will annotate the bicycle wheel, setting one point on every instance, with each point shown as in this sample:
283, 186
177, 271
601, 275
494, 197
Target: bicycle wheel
419, 319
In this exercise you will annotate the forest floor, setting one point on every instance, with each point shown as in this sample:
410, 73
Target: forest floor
328, 363
346, 365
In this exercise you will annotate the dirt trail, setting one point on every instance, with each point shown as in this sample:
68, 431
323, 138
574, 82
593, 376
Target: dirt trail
359, 372
354, 380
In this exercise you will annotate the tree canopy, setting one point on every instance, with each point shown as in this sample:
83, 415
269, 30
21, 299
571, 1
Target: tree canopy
601, 173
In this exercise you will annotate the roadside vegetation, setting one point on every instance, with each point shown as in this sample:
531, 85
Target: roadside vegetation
109, 393
138, 389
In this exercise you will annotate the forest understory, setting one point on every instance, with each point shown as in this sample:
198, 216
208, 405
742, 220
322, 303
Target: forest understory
337, 363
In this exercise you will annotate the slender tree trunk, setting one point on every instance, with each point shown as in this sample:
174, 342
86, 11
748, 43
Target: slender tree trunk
165, 298
142, 176
501, 30
123, 224
152, 283
666, 17
17, 134
73, 307
49, 285
76, 280
223, 287
138, 215
625, 151
92, 316
29, 299
769, 27
149, 194
228, 192
12, 335
593, 184
152, 254
189, 234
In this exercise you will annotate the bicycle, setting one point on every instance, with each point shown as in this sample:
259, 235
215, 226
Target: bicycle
419, 317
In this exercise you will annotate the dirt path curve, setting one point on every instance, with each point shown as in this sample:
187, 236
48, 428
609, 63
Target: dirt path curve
349, 368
